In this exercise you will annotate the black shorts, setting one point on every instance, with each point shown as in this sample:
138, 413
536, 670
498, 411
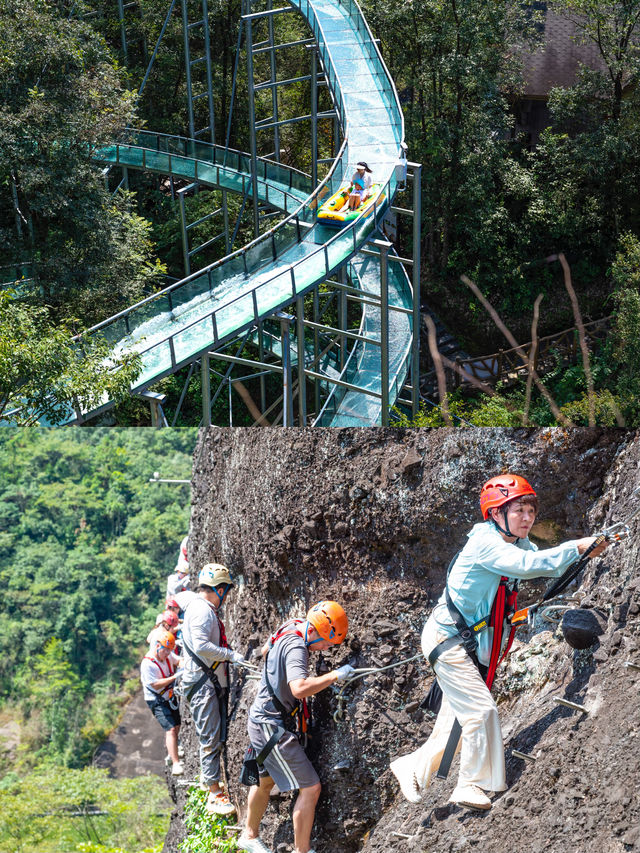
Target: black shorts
167, 716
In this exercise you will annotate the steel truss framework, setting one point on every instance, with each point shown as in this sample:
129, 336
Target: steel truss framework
299, 347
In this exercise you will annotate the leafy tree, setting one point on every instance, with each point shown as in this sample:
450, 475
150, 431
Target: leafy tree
625, 272
61, 98
45, 376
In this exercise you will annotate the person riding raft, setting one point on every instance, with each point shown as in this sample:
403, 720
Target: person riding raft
462, 640
278, 718
361, 182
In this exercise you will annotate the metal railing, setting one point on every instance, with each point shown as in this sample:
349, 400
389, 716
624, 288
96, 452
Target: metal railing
507, 363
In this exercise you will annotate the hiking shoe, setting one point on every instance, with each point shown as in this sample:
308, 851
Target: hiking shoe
252, 845
177, 769
219, 803
402, 769
470, 796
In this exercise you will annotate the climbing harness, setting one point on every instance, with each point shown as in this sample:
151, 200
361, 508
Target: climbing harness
502, 613
361, 673
298, 720
615, 533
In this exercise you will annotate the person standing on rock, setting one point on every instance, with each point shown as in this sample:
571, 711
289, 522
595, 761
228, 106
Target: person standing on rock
205, 684
179, 580
158, 673
462, 644
279, 710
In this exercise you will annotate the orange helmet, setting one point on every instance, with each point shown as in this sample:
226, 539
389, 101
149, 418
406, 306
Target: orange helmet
329, 620
500, 490
170, 618
166, 639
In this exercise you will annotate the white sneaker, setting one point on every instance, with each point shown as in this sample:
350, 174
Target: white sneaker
402, 769
253, 845
470, 796
177, 769
219, 803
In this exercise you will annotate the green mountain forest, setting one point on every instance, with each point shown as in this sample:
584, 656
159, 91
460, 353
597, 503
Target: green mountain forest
498, 204
86, 543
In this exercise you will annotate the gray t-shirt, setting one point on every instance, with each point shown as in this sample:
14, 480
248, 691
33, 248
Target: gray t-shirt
287, 661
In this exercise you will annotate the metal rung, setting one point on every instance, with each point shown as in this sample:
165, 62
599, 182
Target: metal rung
195, 24
206, 244
199, 97
198, 133
198, 61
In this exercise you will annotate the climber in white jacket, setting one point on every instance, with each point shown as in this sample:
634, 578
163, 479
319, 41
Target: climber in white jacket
498, 548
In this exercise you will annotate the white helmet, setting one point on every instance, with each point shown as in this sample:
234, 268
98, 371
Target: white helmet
213, 575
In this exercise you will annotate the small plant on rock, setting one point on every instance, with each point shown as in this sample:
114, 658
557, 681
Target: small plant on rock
206, 831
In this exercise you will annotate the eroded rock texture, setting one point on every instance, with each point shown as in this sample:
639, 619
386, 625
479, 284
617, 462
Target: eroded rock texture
372, 518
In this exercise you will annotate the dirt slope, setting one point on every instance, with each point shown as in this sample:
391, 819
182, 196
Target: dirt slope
372, 518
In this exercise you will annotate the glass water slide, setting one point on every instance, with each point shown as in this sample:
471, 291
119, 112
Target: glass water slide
217, 303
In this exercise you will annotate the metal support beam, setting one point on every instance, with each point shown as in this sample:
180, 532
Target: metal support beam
302, 380
384, 331
316, 347
274, 88
206, 390
415, 281
342, 319
263, 386
314, 119
252, 118
285, 337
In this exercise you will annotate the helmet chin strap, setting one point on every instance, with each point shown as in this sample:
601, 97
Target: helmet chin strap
505, 529
308, 642
224, 594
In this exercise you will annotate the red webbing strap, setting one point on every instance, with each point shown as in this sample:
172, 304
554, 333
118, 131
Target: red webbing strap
497, 623
512, 606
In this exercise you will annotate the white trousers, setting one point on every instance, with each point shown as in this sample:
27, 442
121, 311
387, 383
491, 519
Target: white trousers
466, 698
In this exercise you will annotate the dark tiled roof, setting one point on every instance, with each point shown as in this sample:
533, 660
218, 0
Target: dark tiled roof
556, 64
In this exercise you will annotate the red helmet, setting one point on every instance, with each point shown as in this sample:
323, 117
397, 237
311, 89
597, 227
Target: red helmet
171, 602
500, 490
170, 619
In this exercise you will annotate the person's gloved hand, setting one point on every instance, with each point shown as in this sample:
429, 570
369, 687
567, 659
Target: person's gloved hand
344, 672
237, 658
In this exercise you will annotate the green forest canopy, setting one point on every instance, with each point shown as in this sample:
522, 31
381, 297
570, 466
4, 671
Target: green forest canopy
86, 543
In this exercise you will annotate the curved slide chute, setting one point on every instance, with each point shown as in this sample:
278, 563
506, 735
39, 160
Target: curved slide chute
216, 304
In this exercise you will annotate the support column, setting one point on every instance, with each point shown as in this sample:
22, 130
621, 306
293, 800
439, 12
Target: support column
263, 385
206, 390
316, 350
314, 118
274, 89
187, 66
252, 119
415, 280
302, 380
185, 234
287, 397
384, 331
225, 216
342, 318
207, 59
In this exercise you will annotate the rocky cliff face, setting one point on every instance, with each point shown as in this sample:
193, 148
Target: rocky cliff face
372, 518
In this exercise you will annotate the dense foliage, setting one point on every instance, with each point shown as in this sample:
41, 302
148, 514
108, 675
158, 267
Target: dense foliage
56, 810
86, 543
